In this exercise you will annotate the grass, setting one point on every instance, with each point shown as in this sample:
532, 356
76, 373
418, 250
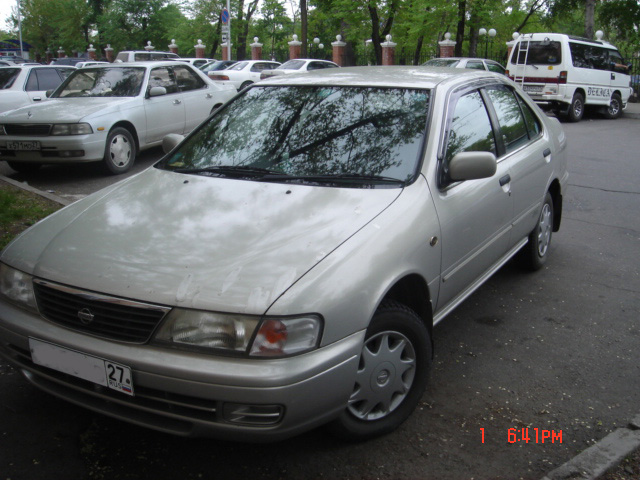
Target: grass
19, 210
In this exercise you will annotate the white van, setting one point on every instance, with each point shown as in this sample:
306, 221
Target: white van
564, 73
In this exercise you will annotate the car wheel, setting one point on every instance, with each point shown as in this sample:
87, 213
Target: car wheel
614, 110
120, 151
244, 85
21, 167
534, 254
392, 374
576, 109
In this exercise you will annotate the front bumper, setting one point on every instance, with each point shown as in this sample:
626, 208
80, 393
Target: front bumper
191, 394
56, 149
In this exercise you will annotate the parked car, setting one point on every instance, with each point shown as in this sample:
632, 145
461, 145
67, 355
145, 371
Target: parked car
22, 85
72, 61
216, 65
471, 63
109, 113
297, 66
196, 62
128, 56
244, 73
6, 63
16, 59
284, 265
90, 63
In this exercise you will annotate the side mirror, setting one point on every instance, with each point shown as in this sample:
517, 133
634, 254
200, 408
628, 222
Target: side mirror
169, 142
48, 93
157, 91
472, 165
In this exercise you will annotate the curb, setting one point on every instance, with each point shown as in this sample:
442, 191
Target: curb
601, 457
29, 188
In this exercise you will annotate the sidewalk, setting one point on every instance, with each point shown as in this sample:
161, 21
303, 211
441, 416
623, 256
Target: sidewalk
632, 111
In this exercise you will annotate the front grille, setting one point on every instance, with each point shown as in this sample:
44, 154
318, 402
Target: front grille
27, 129
108, 317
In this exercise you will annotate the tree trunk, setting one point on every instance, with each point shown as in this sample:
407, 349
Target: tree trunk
462, 14
303, 28
418, 50
589, 21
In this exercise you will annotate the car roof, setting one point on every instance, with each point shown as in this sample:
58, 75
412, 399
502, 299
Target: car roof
161, 63
381, 76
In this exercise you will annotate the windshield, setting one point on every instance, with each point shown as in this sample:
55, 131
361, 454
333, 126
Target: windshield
102, 82
8, 76
441, 62
291, 65
304, 133
544, 52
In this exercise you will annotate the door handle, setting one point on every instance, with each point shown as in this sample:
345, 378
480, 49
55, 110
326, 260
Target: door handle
37, 99
177, 102
504, 180
208, 95
547, 152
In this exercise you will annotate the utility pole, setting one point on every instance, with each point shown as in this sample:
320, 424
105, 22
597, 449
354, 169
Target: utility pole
20, 29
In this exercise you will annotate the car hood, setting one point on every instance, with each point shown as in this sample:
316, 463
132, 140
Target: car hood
197, 242
65, 110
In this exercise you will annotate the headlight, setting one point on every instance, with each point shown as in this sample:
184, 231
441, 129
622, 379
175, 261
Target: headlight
17, 287
234, 333
71, 129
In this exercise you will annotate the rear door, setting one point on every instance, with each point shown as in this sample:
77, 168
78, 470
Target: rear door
198, 99
40, 80
165, 113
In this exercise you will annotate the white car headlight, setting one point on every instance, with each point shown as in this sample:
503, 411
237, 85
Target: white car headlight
17, 287
71, 129
220, 331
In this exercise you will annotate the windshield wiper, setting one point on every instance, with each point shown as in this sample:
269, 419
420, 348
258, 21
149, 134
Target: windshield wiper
341, 178
230, 170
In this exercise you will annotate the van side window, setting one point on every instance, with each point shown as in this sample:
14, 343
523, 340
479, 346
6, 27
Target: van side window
470, 128
512, 125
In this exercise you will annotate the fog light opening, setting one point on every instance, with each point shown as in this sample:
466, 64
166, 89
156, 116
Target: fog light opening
252, 414
71, 153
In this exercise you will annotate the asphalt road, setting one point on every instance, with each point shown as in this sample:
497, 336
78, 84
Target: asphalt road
557, 351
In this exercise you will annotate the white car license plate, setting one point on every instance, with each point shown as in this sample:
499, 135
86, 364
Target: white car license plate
23, 145
94, 369
532, 88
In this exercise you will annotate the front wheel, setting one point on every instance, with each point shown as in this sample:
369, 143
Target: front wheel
120, 151
244, 85
614, 110
392, 374
535, 253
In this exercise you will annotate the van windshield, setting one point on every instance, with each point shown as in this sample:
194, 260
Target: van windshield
545, 52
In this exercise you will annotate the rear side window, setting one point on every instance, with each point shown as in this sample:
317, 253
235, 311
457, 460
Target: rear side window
512, 125
493, 67
475, 65
470, 129
534, 127
8, 76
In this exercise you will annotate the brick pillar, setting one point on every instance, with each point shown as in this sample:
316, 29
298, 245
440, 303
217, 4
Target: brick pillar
92, 52
256, 49
339, 48
200, 47
447, 46
49, 56
61, 53
225, 50
108, 52
173, 48
388, 51
295, 48
149, 47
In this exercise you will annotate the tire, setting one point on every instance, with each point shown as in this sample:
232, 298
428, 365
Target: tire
576, 109
392, 374
120, 151
614, 110
244, 85
21, 167
535, 253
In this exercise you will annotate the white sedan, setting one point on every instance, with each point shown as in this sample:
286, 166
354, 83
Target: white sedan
298, 65
244, 73
109, 113
25, 85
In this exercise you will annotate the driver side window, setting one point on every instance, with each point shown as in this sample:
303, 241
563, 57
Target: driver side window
470, 128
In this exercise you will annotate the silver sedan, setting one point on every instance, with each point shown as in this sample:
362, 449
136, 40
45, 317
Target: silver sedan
284, 265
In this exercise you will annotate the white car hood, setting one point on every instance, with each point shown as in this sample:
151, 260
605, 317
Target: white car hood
197, 242
65, 110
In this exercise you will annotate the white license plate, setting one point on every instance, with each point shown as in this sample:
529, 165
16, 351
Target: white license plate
94, 369
532, 88
23, 145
